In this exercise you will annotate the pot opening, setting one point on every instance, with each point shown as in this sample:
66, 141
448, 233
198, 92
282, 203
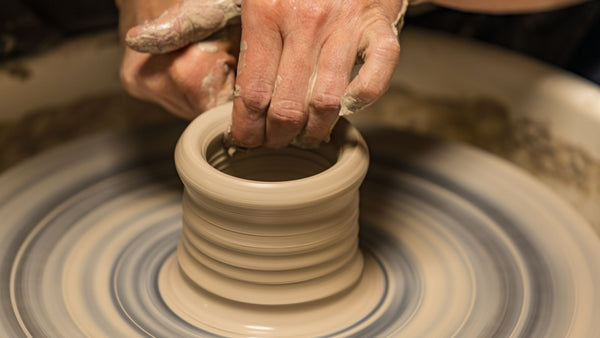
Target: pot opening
271, 165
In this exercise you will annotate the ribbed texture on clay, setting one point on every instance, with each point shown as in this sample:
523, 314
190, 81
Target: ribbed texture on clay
263, 250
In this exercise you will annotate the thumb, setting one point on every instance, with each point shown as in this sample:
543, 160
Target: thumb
185, 22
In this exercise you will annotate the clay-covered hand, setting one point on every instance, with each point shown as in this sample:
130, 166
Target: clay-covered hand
295, 64
188, 77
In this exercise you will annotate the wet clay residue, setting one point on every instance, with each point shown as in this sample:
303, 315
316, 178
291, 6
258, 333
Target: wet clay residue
487, 124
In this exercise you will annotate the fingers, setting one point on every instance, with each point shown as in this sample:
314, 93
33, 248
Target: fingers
204, 74
182, 24
142, 76
257, 71
333, 74
381, 54
293, 77
288, 113
186, 82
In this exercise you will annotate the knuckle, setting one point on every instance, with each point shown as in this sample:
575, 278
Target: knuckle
384, 42
325, 102
373, 90
256, 97
387, 49
392, 45
367, 90
290, 113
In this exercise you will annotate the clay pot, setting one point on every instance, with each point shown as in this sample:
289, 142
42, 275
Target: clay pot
269, 226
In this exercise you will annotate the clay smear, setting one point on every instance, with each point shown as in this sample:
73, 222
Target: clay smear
186, 22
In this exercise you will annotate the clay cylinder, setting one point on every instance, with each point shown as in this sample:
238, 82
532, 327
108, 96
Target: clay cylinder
265, 226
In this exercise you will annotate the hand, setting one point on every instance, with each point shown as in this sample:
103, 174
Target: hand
188, 78
295, 65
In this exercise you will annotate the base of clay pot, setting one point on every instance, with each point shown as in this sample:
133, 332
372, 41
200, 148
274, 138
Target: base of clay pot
343, 313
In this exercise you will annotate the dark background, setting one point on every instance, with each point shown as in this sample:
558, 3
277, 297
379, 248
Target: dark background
568, 38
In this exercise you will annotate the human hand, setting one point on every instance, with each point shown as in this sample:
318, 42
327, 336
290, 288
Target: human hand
295, 65
189, 77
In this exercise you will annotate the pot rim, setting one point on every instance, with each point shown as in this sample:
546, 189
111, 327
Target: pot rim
199, 175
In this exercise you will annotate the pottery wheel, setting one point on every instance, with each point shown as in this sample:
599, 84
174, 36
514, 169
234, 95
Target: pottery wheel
468, 244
